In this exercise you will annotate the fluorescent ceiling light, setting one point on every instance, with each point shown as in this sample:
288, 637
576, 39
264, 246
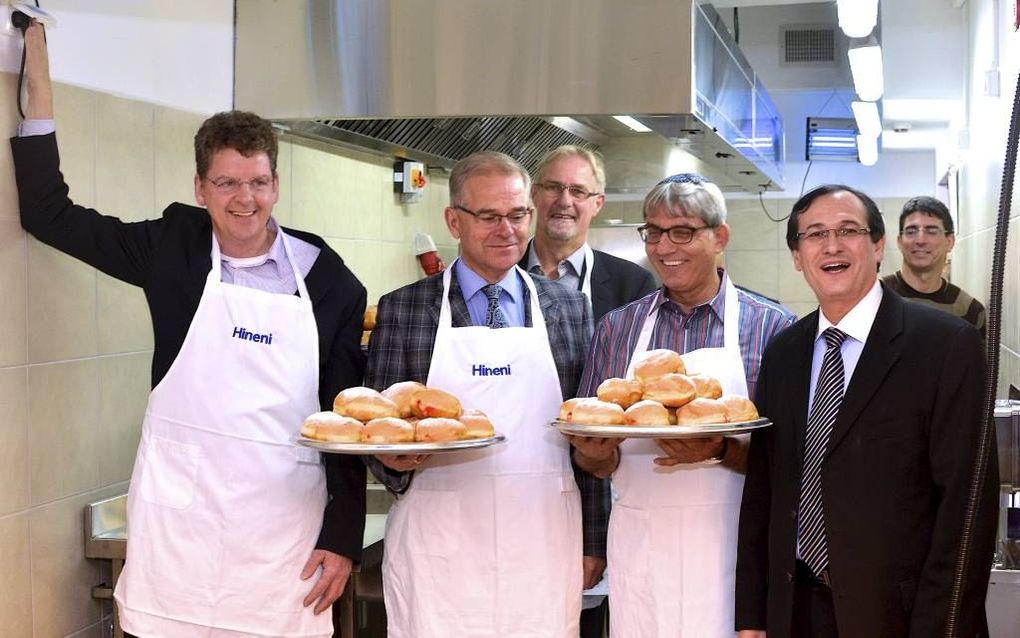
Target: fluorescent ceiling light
922, 110
867, 150
866, 67
631, 123
868, 122
857, 18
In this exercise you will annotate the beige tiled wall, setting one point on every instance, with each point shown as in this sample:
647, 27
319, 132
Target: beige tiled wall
76, 345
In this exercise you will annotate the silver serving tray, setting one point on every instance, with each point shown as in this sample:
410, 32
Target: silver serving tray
363, 449
659, 431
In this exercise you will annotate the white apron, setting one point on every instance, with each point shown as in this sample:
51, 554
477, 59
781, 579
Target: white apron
224, 509
673, 530
488, 542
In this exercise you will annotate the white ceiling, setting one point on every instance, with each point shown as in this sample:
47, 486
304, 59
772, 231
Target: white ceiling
925, 53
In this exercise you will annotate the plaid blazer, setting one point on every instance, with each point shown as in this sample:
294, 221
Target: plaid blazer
401, 350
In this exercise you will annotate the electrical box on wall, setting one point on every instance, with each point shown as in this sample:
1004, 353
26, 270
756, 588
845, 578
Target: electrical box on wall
409, 180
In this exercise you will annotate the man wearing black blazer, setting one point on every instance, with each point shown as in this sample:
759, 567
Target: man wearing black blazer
898, 463
568, 194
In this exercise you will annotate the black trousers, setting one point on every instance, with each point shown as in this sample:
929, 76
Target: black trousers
814, 615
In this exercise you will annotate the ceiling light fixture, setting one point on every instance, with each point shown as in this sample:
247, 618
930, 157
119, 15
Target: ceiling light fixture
857, 18
869, 124
866, 68
867, 150
631, 123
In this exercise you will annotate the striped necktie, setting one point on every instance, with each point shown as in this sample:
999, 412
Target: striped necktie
494, 317
824, 408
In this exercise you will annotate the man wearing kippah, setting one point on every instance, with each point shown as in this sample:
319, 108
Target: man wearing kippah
673, 530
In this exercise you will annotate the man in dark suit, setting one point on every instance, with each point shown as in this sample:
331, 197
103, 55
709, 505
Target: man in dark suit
568, 195
855, 499
487, 542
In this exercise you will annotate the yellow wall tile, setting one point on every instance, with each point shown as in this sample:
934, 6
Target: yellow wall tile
125, 175
16, 591
9, 120
124, 383
174, 156
123, 320
14, 276
14, 476
63, 408
755, 269
75, 111
61, 306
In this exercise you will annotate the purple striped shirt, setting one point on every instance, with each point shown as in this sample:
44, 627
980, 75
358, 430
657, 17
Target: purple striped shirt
617, 333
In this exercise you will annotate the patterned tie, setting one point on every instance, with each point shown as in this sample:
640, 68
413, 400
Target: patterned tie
824, 408
493, 314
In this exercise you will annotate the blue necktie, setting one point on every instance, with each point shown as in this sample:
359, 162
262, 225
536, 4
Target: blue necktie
494, 317
824, 408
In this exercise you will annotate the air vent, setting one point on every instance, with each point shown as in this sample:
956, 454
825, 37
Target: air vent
808, 45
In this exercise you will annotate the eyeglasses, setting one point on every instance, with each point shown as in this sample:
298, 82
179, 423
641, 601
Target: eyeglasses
930, 231
677, 234
515, 217
555, 188
229, 185
841, 234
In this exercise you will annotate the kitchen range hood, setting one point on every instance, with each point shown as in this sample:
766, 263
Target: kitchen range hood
435, 80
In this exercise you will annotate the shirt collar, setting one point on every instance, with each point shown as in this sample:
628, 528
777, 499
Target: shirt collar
471, 283
716, 304
576, 259
856, 323
276, 256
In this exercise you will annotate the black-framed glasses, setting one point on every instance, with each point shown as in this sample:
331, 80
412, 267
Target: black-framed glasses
516, 217
556, 189
928, 231
685, 178
841, 234
229, 185
677, 234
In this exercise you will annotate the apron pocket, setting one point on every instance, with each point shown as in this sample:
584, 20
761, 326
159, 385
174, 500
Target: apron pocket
435, 522
170, 471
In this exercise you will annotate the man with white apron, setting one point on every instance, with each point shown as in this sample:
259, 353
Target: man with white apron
486, 543
672, 533
230, 531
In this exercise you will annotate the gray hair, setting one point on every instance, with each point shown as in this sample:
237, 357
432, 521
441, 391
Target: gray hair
695, 198
484, 163
570, 150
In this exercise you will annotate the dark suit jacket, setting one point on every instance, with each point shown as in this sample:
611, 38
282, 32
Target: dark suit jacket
405, 333
894, 482
614, 282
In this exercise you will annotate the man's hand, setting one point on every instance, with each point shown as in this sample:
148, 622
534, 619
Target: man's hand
335, 571
402, 462
750, 633
594, 566
37, 74
595, 455
689, 450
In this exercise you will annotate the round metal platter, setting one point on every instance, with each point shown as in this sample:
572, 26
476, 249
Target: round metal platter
659, 431
400, 448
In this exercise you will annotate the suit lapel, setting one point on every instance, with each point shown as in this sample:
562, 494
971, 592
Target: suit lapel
799, 370
880, 353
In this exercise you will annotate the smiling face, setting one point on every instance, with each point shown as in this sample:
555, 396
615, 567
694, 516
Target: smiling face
839, 271
924, 253
239, 218
490, 251
562, 218
688, 271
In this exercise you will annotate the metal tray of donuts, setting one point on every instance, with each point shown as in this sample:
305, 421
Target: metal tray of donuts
363, 449
660, 431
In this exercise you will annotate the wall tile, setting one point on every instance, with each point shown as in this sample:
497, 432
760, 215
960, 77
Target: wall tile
363, 258
14, 309
14, 486
123, 320
792, 287
61, 306
173, 160
802, 308
75, 110
63, 408
284, 205
750, 229
125, 151
124, 383
9, 120
16, 592
755, 269
61, 575
1010, 320
400, 266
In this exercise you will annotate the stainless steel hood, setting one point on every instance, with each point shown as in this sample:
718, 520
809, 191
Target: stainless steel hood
438, 79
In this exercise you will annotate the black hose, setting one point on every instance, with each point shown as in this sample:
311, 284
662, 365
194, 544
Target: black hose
992, 353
